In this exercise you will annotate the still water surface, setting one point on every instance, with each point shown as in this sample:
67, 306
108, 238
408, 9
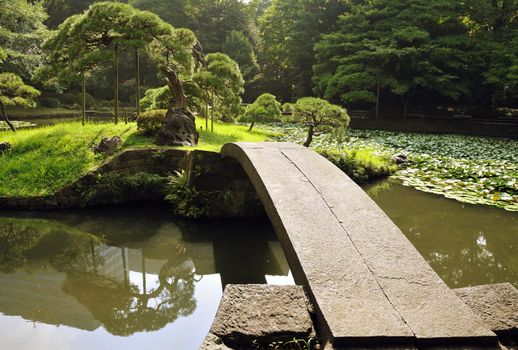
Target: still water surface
465, 244
126, 278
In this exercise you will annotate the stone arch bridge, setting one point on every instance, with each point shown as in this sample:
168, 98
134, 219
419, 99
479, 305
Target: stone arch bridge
368, 283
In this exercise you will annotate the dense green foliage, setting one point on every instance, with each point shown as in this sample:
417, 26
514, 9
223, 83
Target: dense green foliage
159, 98
320, 116
149, 122
21, 35
390, 56
189, 202
289, 30
400, 46
222, 84
361, 164
265, 108
415, 48
238, 47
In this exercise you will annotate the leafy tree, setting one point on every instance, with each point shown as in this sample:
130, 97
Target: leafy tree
85, 41
158, 98
265, 109
21, 34
256, 8
320, 115
70, 60
222, 83
213, 20
407, 47
493, 62
14, 92
238, 47
59, 10
176, 56
171, 11
289, 30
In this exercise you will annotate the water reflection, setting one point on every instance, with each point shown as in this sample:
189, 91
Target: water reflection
127, 270
465, 244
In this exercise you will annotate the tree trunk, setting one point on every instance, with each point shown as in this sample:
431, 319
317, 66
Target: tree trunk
378, 100
176, 88
212, 113
405, 106
206, 111
4, 115
251, 126
83, 112
311, 131
116, 84
137, 81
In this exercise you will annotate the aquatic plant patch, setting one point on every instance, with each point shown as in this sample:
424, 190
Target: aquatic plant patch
476, 170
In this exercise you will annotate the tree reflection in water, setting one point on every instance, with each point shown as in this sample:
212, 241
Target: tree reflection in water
28, 244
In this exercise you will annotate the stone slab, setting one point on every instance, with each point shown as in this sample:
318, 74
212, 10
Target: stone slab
262, 313
495, 304
368, 282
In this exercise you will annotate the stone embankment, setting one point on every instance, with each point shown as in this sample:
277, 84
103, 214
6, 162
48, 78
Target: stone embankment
140, 175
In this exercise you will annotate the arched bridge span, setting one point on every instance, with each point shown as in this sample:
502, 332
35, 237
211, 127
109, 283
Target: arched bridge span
368, 283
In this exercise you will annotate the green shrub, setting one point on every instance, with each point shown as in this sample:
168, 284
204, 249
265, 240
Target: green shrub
50, 102
68, 99
104, 104
149, 122
115, 187
187, 201
89, 99
361, 165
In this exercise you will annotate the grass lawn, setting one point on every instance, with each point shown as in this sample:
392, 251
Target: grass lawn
43, 160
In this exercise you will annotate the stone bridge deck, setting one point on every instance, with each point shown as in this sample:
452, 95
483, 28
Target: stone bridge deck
368, 283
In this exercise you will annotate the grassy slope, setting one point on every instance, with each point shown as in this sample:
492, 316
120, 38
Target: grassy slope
43, 160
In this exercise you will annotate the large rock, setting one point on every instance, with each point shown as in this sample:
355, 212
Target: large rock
4, 146
495, 304
262, 314
108, 145
179, 128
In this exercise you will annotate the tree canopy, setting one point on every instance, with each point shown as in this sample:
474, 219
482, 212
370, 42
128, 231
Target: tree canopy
265, 108
320, 115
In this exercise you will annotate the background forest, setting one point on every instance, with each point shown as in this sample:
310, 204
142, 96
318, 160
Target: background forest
389, 56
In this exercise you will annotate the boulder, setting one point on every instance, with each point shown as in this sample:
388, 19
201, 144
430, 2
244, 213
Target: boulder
400, 159
108, 145
262, 314
4, 147
178, 129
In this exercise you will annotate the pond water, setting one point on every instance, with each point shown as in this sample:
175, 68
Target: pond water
465, 244
124, 278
